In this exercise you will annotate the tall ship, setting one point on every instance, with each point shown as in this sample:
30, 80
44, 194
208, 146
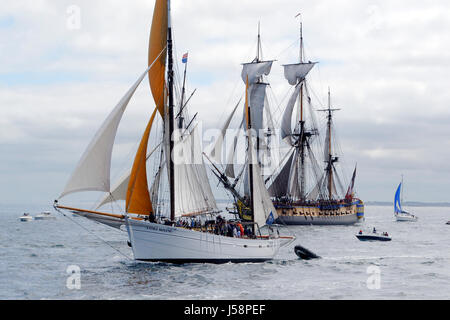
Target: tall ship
298, 198
304, 192
170, 212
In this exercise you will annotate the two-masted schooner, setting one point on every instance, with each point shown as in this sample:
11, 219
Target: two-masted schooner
156, 225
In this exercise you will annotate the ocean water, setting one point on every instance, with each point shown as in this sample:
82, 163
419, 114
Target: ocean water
36, 260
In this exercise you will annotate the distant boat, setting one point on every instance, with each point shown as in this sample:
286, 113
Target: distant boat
26, 217
373, 236
46, 215
448, 222
399, 213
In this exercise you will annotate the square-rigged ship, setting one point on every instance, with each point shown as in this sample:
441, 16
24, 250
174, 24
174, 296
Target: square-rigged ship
302, 191
322, 205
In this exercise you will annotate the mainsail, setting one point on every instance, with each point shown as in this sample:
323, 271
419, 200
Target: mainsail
397, 200
193, 191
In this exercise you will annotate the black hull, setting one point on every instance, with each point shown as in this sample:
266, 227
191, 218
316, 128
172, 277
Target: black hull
372, 238
304, 253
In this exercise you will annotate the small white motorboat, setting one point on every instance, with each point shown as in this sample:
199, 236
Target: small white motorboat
373, 236
46, 215
26, 217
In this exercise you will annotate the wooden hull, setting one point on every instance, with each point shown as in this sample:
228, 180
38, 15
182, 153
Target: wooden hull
317, 214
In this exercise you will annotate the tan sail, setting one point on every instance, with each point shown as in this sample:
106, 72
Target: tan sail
158, 41
138, 196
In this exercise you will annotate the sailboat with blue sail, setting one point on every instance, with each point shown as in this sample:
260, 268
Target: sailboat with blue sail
399, 213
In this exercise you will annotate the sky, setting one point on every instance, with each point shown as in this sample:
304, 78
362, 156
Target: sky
65, 64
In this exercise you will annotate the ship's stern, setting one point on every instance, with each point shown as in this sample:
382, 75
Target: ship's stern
360, 210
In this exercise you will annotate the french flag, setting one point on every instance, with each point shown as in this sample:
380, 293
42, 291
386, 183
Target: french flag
185, 58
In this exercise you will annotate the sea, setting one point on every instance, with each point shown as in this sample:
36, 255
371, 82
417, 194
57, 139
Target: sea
71, 258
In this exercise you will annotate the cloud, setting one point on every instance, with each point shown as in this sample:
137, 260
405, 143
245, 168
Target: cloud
387, 64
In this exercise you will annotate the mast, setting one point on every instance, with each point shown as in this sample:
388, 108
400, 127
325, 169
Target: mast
258, 47
250, 163
183, 93
258, 59
170, 77
329, 159
302, 124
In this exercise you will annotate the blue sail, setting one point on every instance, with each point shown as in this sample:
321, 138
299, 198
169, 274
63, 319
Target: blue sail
397, 203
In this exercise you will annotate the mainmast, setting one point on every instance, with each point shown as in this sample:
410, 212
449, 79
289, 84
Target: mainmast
303, 134
329, 158
302, 125
170, 77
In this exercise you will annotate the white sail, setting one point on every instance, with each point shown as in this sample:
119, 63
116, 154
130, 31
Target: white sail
296, 73
216, 153
120, 188
294, 185
118, 192
316, 192
286, 123
327, 146
229, 171
262, 204
280, 184
257, 103
254, 71
193, 194
93, 170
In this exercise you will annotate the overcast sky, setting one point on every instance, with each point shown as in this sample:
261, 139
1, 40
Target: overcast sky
387, 63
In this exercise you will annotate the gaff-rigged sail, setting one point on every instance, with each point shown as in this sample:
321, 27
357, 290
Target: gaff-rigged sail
138, 197
397, 201
158, 42
193, 194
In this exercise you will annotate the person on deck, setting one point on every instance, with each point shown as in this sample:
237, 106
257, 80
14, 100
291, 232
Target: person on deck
152, 217
241, 229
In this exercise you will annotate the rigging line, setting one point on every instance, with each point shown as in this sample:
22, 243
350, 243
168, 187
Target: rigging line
92, 233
